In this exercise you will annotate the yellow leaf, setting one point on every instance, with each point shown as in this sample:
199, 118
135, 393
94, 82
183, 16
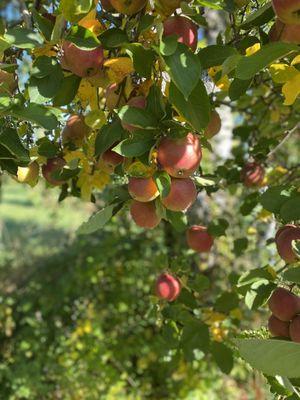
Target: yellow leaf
91, 23
95, 119
87, 94
282, 73
291, 90
118, 68
296, 60
275, 115
253, 49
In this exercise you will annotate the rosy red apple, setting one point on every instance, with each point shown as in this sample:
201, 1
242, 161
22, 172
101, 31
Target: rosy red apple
182, 195
144, 214
281, 32
284, 238
284, 304
184, 28
199, 239
278, 328
288, 11
252, 174
295, 329
167, 287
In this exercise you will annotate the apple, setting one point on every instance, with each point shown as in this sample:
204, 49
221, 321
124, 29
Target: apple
295, 329
128, 7
166, 7
167, 287
182, 195
8, 82
144, 214
29, 174
143, 189
111, 159
281, 32
283, 239
288, 11
284, 304
214, 125
106, 5
278, 328
199, 239
184, 28
252, 174
53, 165
75, 130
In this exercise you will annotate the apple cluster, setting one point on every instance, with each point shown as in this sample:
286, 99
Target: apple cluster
285, 319
287, 25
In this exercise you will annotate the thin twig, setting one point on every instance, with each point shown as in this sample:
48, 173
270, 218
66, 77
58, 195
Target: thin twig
26, 14
287, 136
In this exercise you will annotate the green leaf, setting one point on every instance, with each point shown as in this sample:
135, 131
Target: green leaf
290, 210
113, 37
218, 227
223, 356
238, 87
155, 103
195, 109
226, 302
168, 45
74, 10
239, 246
163, 183
47, 148
96, 221
259, 17
142, 58
44, 25
184, 68
10, 139
108, 135
258, 294
23, 38
272, 357
200, 284
206, 180
248, 66
139, 144
177, 219
137, 117
274, 198
255, 275
215, 55
67, 91
39, 114
83, 38
145, 23
292, 275
195, 335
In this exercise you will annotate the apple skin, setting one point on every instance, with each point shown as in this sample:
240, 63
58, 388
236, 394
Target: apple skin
167, 287
199, 239
281, 32
252, 174
106, 5
143, 189
83, 63
182, 195
184, 28
288, 11
295, 329
138, 102
111, 159
284, 304
144, 214
166, 7
53, 165
214, 125
181, 157
278, 328
75, 130
283, 239
128, 7
8, 82
29, 174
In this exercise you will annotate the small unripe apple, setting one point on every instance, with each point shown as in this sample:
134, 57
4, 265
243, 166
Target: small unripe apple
167, 287
53, 165
181, 157
143, 189
29, 174
83, 63
144, 214
199, 239
128, 7
288, 11
138, 102
295, 329
75, 130
284, 304
252, 174
278, 328
182, 195
214, 125
106, 5
8, 83
281, 32
184, 28
284, 238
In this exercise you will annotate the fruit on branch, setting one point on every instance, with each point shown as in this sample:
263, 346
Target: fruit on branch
278, 327
167, 287
83, 63
75, 130
284, 304
182, 195
111, 159
144, 214
284, 238
252, 174
143, 189
214, 125
114, 99
295, 329
8, 83
52, 166
180, 157
28, 174
281, 32
199, 239
106, 5
128, 7
288, 11
138, 102
166, 7
184, 28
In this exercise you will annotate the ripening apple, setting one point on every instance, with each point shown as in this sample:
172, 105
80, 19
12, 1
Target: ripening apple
143, 189
167, 287
29, 174
8, 82
53, 165
278, 328
166, 7
128, 7
144, 214
182, 195
106, 5
199, 239
138, 102
214, 125
180, 157
252, 174
281, 32
184, 28
75, 130
295, 329
84, 63
111, 159
284, 304
284, 238
288, 11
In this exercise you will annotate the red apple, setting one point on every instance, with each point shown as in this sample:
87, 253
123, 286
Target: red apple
281, 32
182, 195
252, 174
167, 287
288, 11
53, 165
75, 130
143, 189
112, 159
180, 157
284, 304
199, 239
278, 328
184, 28
284, 238
144, 214
295, 329
214, 125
